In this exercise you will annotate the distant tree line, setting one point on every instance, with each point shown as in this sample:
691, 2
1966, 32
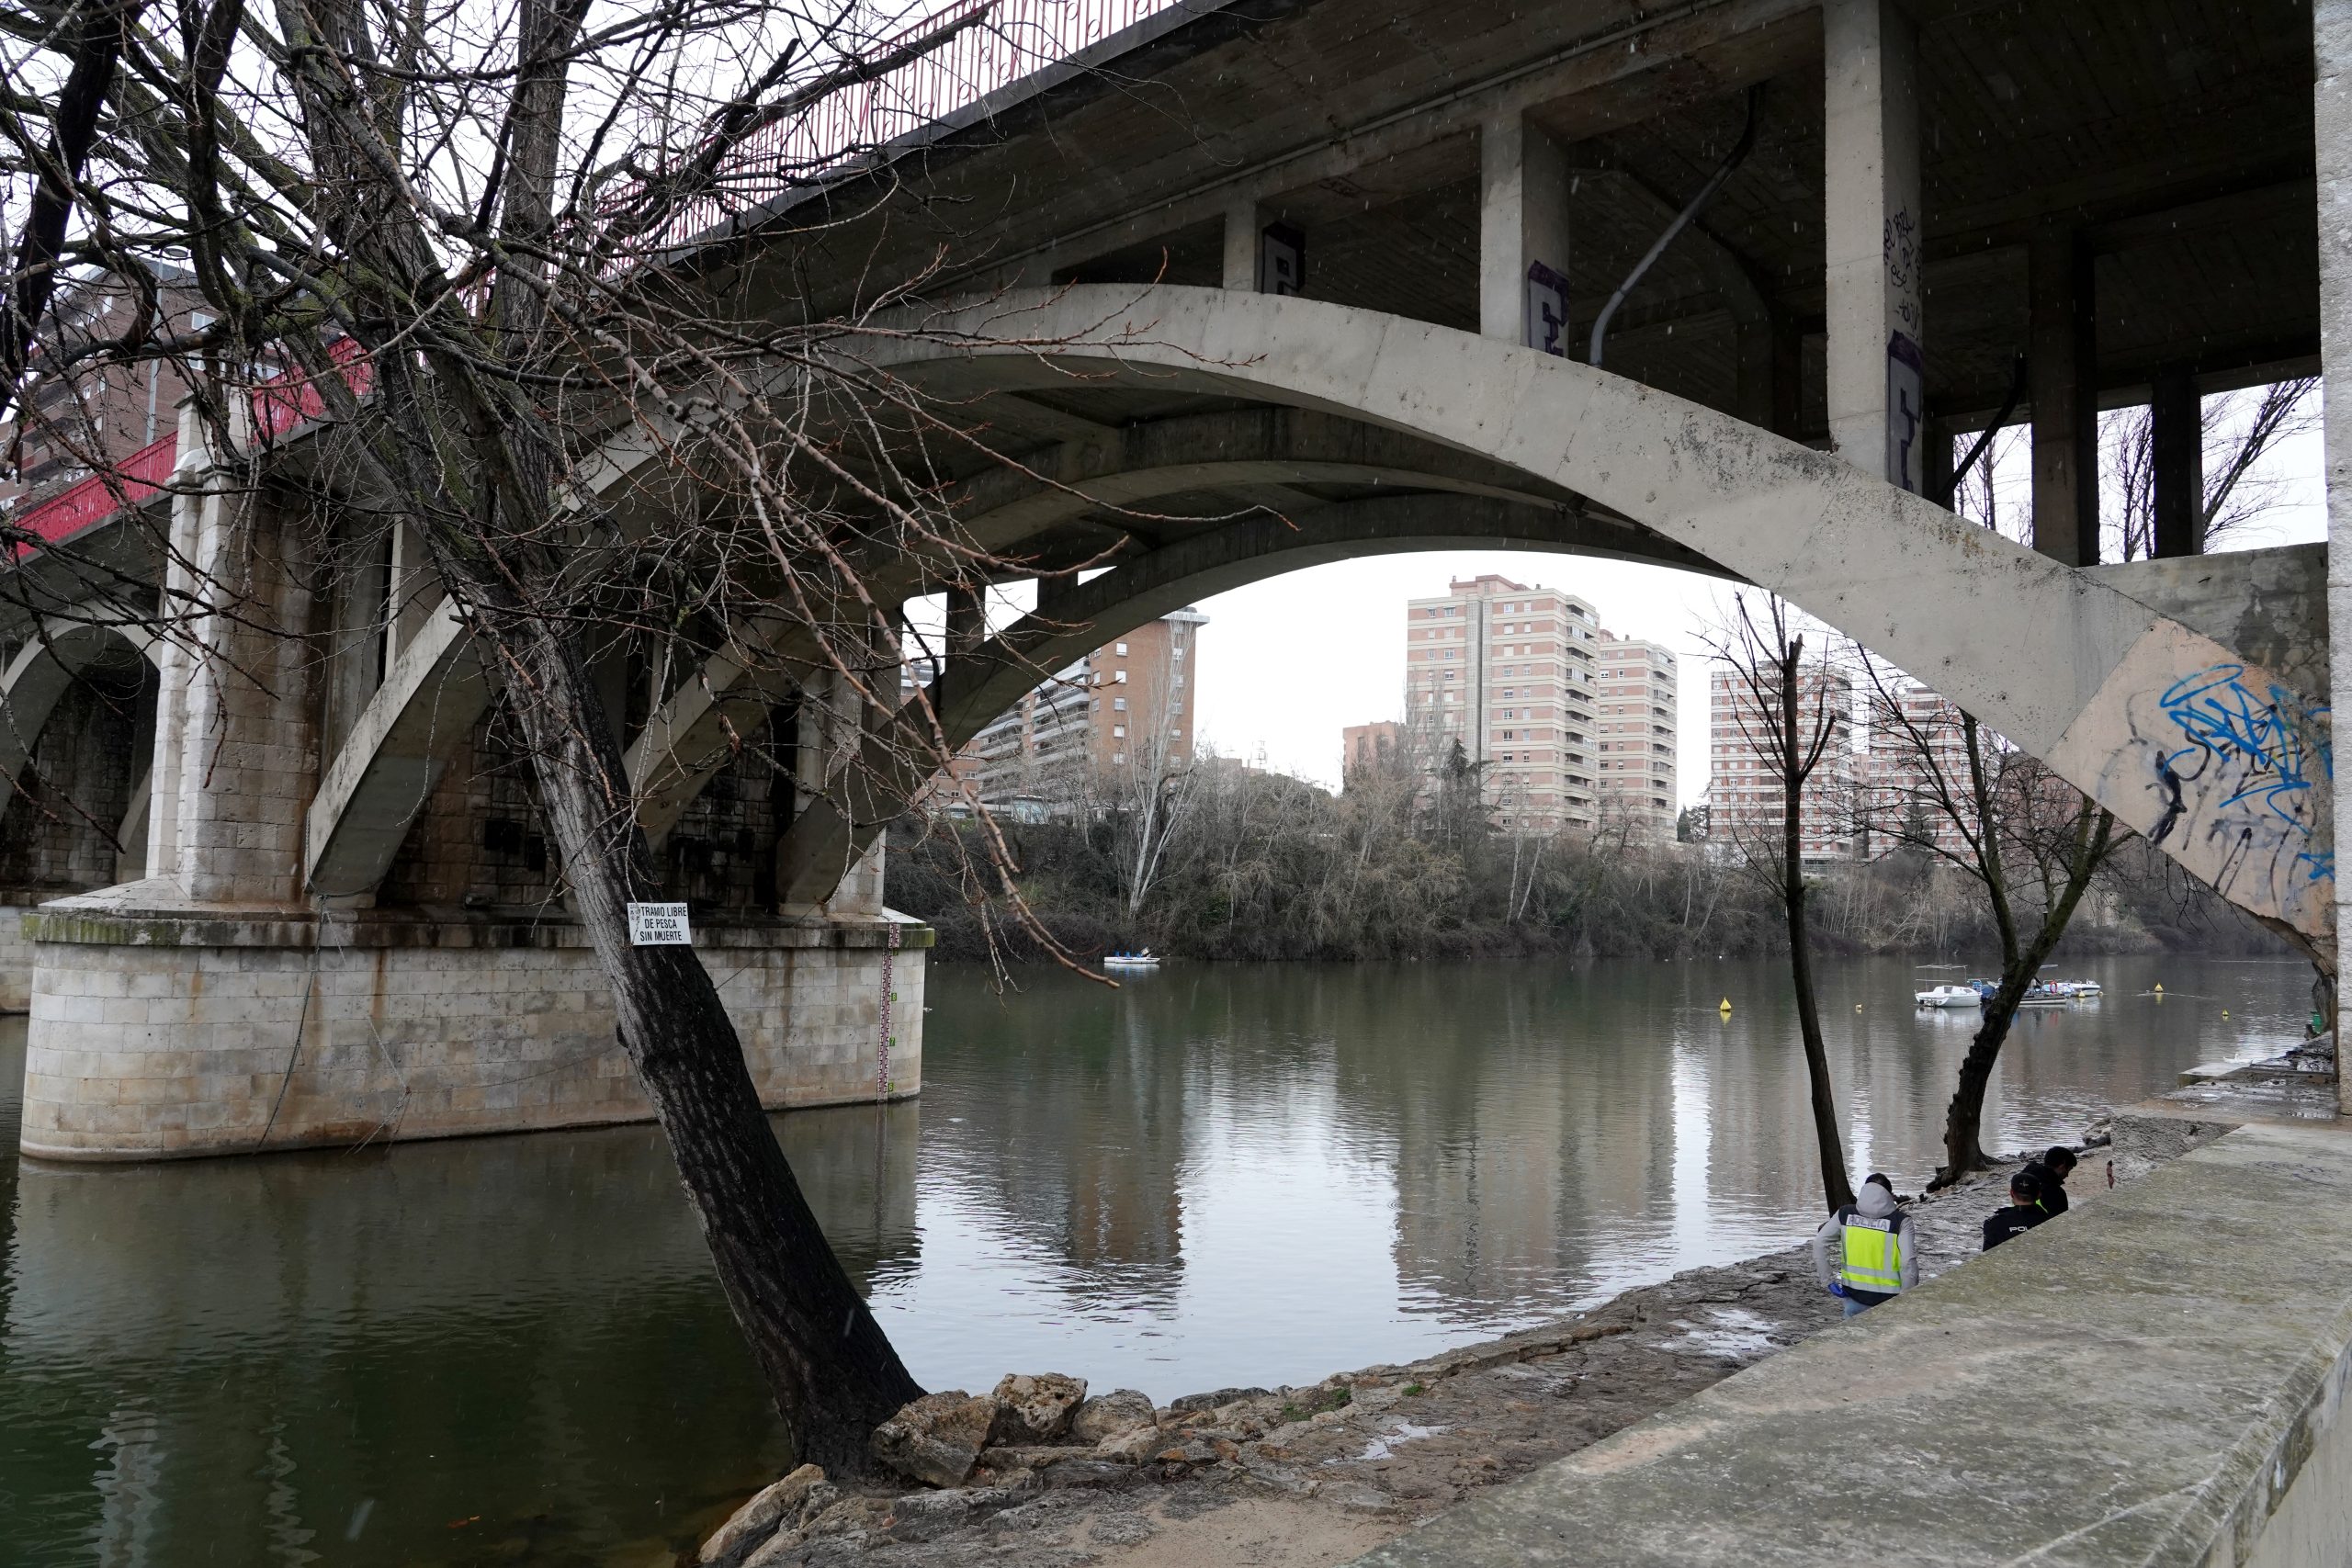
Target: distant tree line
1260, 865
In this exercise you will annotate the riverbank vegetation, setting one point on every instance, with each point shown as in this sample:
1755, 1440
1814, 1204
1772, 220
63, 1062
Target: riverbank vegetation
1262, 866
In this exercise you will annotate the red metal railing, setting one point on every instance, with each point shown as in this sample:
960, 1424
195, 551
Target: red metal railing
282, 404
983, 47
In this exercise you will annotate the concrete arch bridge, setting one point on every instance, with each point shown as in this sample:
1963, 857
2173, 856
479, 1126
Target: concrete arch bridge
1307, 327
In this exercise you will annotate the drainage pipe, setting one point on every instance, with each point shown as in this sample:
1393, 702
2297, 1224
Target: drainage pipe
1681, 220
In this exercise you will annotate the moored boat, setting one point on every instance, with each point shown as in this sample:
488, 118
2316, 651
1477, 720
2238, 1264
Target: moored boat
1147, 959
1948, 997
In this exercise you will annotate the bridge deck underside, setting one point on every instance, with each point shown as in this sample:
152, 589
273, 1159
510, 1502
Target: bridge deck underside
2173, 139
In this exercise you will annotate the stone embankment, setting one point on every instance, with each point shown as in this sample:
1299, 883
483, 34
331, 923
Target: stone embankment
1037, 1472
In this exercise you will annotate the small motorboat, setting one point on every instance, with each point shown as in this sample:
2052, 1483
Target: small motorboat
1147, 959
2042, 994
1948, 997
2079, 990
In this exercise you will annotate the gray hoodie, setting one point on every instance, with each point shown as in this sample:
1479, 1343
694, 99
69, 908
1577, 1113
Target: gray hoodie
1874, 1202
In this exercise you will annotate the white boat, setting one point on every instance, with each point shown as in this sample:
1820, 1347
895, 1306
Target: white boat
1948, 997
2079, 988
1147, 959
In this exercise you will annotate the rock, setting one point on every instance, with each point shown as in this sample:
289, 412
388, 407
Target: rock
1131, 1447
821, 1496
937, 1438
780, 1550
1192, 1402
1109, 1415
921, 1516
1121, 1529
1033, 1458
750, 1526
1032, 1410
1187, 1453
850, 1516
1094, 1472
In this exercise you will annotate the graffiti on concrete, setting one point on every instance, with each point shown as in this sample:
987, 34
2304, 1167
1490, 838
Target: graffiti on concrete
2246, 769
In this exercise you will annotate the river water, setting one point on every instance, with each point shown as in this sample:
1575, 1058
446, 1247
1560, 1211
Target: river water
510, 1351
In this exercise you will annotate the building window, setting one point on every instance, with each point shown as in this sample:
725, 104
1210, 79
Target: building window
1119, 705
1121, 649
1118, 732
1119, 758
1120, 679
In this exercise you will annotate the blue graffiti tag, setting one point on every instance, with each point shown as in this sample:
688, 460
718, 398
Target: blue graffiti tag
2274, 744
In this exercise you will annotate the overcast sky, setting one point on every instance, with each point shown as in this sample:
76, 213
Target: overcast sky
1286, 665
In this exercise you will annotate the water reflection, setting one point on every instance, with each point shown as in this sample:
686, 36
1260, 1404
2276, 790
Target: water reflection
510, 1348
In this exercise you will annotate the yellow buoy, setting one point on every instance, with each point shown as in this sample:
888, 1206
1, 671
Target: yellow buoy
1857, 1007
1725, 1007
2160, 987
2225, 1012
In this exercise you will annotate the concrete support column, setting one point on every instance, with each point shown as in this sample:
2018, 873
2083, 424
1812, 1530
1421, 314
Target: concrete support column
172, 666
2176, 459
235, 748
1523, 235
968, 623
1870, 186
2062, 371
1242, 224
2332, 104
824, 755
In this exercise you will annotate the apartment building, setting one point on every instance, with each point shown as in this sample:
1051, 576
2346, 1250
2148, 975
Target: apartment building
1121, 717
98, 414
1636, 724
1910, 749
1375, 745
1744, 794
1510, 673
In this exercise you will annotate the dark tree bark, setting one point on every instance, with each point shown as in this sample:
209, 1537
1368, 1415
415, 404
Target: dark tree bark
833, 1373
95, 48
1798, 761
462, 449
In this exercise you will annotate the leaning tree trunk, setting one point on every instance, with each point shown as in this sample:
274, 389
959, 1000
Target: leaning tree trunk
1964, 1118
1836, 1186
832, 1371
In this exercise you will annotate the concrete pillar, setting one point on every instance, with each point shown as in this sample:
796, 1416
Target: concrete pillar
2177, 453
1870, 189
2332, 95
235, 748
1262, 257
968, 622
1523, 235
1241, 231
2062, 372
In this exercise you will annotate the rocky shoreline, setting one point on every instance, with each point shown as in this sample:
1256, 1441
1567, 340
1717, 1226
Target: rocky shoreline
1036, 1473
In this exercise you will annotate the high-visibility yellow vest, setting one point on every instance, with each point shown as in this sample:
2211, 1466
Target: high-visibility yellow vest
1871, 1253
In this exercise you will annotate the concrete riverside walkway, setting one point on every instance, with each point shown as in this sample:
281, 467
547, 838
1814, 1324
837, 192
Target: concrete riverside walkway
2156, 1378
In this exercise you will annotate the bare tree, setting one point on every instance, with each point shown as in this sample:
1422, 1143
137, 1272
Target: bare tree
1944, 788
453, 236
2239, 430
1792, 714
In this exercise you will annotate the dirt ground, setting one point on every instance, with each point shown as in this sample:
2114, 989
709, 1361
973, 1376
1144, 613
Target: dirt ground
1318, 1475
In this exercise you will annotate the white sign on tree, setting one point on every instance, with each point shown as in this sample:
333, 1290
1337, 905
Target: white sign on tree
658, 925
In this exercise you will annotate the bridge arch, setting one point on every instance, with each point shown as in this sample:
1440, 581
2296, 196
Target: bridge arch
2216, 760
2219, 762
63, 650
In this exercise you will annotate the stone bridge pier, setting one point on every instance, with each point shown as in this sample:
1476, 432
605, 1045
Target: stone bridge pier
226, 949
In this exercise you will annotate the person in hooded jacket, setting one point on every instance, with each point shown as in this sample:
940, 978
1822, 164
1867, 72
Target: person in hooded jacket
2050, 1173
1874, 1247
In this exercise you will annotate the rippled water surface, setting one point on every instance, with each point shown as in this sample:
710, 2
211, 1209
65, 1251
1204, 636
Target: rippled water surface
510, 1349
